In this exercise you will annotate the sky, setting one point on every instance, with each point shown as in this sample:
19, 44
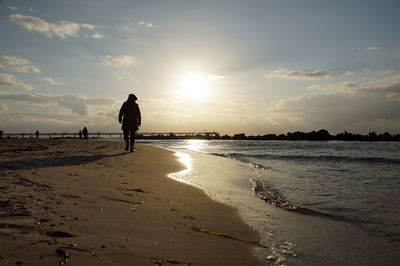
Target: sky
253, 67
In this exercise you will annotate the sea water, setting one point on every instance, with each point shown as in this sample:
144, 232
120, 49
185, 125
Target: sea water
313, 202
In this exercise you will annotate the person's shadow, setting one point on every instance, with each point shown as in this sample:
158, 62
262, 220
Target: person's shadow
54, 161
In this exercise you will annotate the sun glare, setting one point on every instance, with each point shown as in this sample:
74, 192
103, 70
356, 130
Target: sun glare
193, 86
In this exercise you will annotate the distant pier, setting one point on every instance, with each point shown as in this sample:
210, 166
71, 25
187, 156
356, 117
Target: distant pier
320, 135
139, 135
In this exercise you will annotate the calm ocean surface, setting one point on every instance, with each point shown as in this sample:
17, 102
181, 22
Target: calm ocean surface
353, 184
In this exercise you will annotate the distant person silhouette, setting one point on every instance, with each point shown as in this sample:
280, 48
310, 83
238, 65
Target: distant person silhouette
130, 117
37, 134
85, 133
80, 134
1, 134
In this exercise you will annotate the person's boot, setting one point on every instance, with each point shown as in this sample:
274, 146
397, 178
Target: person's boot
131, 148
126, 145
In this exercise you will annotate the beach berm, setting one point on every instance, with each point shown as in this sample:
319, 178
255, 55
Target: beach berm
83, 202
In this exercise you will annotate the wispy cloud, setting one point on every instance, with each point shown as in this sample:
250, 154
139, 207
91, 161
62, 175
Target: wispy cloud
363, 110
88, 26
61, 29
374, 48
50, 81
147, 24
125, 76
348, 73
395, 96
388, 83
8, 80
75, 103
18, 64
379, 72
97, 36
120, 61
350, 105
13, 8
134, 27
126, 28
293, 74
347, 87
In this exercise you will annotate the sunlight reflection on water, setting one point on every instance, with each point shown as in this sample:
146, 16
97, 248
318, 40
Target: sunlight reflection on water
194, 145
186, 159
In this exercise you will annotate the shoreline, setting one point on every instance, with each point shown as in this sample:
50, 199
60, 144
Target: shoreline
90, 202
289, 238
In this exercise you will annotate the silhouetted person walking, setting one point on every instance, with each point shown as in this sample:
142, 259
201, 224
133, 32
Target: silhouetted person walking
37, 134
1, 134
85, 133
80, 134
129, 116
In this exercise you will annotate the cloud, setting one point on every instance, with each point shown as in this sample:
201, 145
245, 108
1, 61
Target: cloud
147, 24
348, 73
28, 98
50, 81
134, 27
292, 74
374, 48
125, 76
395, 96
341, 110
100, 101
370, 106
18, 64
387, 84
346, 87
57, 120
379, 71
13, 8
119, 65
120, 61
126, 28
75, 103
61, 29
8, 80
88, 26
97, 36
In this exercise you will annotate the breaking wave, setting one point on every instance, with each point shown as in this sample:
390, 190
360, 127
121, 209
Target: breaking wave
272, 196
245, 157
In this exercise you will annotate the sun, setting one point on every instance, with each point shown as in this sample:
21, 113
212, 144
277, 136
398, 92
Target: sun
193, 86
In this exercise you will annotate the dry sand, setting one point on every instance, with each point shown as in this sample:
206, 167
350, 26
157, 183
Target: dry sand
85, 203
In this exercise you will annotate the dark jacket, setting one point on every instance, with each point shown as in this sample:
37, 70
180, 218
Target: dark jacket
129, 114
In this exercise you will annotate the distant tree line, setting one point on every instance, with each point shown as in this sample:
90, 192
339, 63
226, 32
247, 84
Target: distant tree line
297, 135
313, 135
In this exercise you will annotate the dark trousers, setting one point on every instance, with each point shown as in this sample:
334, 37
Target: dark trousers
129, 135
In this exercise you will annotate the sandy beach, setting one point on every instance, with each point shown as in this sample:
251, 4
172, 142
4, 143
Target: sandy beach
86, 202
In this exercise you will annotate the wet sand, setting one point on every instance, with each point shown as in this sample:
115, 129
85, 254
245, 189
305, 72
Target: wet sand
85, 202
